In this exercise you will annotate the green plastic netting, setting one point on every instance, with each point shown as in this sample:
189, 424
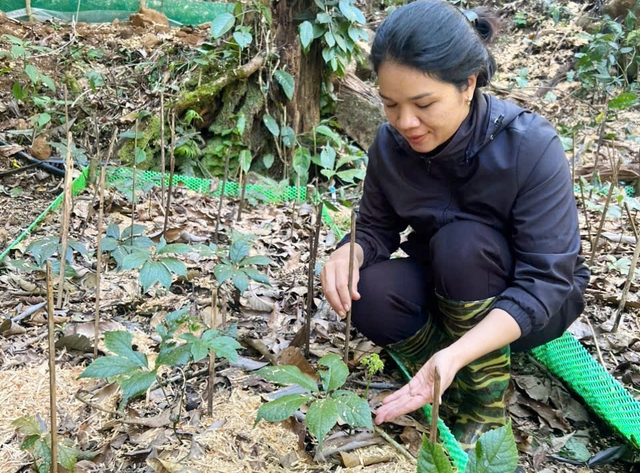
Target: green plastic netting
184, 12
568, 359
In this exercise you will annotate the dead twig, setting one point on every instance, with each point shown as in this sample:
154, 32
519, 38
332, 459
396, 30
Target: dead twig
66, 216
313, 252
133, 181
595, 342
435, 411
352, 250
222, 191
403, 451
612, 186
162, 151
584, 208
630, 276
212, 355
52, 371
172, 164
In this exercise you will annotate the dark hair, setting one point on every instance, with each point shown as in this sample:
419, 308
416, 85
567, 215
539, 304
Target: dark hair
438, 39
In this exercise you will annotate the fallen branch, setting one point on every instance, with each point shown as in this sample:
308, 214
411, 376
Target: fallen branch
630, 276
403, 451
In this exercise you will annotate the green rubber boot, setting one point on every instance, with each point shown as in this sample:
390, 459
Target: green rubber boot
482, 384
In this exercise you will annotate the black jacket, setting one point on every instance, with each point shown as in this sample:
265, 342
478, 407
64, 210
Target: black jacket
511, 173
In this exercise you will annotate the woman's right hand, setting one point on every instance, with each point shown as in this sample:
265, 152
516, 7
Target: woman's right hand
335, 278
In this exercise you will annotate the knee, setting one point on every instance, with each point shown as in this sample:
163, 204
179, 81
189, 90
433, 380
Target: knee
470, 261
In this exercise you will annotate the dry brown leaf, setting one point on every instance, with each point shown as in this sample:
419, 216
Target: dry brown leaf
293, 356
9, 328
161, 420
349, 460
412, 440
165, 466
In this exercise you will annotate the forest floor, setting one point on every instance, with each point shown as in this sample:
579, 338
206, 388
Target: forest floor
551, 424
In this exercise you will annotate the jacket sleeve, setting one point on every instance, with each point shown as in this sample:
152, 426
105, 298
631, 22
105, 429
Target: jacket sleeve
545, 238
378, 226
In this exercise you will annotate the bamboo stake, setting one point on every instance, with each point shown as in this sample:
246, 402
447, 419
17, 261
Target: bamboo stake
52, 372
614, 180
133, 180
435, 411
222, 191
212, 355
584, 208
66, 216
313, 252
172, 165
352, 250
631, 275
162, 151
243, 184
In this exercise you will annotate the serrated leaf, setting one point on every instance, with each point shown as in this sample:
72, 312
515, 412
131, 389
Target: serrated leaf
224, 346
108, 366
286, 375
113, 231
623, 101
432, 459
67, 456
175, 266
321, 417
135, 260
353, 409
137, 384
119, 342
28, 425
199, 349
257, 275
221, 24
495, 452
222, 272
258, 260
336, 375
42, 455
306, 34
239, 250
282, 408
271, 125
152, 272
287, 82
174, 356
240, 280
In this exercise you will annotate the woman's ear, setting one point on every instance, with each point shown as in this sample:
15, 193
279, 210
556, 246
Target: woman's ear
472, 81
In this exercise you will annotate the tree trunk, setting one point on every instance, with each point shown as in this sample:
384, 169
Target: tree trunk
304, 108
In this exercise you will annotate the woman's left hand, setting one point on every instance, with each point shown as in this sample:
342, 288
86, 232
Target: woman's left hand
419, 391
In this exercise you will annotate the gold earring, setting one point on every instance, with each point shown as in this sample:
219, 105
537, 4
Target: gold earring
468, 102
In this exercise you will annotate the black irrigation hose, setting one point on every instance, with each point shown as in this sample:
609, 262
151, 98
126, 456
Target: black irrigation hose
50, 168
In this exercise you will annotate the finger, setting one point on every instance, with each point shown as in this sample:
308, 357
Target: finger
342, 287
331, 292
355, 295
403, 391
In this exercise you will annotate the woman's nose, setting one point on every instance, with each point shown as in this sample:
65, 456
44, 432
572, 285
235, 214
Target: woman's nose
407, 120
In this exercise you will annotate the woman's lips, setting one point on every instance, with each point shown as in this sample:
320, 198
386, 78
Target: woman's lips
414, 140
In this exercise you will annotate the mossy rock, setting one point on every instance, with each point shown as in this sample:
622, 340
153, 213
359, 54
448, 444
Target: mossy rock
148, 142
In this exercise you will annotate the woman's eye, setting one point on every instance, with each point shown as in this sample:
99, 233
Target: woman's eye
390, 105
424, 106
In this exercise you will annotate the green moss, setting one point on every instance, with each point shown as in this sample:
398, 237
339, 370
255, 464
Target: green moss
150, 131
226, 117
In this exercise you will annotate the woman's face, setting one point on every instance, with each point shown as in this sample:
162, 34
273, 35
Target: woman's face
426, 111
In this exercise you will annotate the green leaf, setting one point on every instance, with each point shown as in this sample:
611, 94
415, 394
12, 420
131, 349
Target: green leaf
323, 18
329, 133
29, 442
175, 266
28, 425
306, 34
286, 81
113, 231
257, 275
137, 384
239, 249
42, 455
623, 101
341, 43
301, 160
48, 82
271, 124
282, 408
221, 24
258, 260
224, 346
432, 459
240, 280
351, 13
79, 247
32, 72
172, 356
336, 375
321, 417
18, 50
328, 157
152, 272
223, 272
67, 456
245, 159
175, 248
349, 175
141, 156
135, 260
119, 342
242, 38
288, 136
353, 409
241, 123
495, 452
330, 39
199, 349
108, 366
286, 375
268, 160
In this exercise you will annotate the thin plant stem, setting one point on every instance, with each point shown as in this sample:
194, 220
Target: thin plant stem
243, 184
352, 250
66, 216
212, 354
313, 253
435, 411
52, 371
172, 164
133, 180
96, 335
162, 150
600, 135
595, 342
604, 214
584, 208
222, 191
630, 276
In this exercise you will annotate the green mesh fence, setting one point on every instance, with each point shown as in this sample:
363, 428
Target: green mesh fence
456, 453
568, 359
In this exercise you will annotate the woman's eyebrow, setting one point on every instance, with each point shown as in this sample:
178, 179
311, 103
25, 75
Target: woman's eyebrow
415, 97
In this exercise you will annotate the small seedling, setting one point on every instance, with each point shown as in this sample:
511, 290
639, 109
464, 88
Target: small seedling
372, 364
238, 266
